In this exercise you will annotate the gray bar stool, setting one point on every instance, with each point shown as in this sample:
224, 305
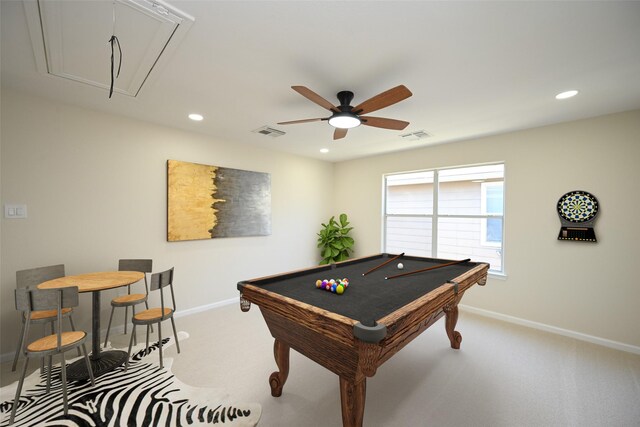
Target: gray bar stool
30, 300
29, 279
156, 315
130, 300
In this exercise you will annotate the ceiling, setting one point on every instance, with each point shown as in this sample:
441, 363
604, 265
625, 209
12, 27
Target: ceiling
475, 68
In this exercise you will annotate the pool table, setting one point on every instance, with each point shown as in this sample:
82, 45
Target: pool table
354, 333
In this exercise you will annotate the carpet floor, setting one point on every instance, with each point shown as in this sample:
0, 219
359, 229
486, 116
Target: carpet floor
504, 375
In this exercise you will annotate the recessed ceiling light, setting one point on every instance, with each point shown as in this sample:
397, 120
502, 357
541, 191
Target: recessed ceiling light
324, 150
567, 94
196, 117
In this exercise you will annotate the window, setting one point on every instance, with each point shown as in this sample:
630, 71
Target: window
492, 204
453, 213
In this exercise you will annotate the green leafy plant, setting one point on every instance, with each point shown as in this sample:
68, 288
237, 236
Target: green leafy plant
334, 241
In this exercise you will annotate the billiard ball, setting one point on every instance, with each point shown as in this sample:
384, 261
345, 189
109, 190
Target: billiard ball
339, 289
400, 266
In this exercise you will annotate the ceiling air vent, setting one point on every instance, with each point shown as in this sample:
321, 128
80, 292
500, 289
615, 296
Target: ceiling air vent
414, 136
266, 130
70, 39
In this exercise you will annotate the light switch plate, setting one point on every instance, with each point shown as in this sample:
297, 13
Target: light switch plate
15, 211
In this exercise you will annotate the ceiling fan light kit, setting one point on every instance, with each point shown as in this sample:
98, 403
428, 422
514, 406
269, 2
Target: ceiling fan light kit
345, 116
344, 120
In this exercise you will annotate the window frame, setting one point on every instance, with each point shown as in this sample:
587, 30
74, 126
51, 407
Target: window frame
435, 216
483, 208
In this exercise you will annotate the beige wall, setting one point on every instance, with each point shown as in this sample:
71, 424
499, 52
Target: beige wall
588, 288
95, 190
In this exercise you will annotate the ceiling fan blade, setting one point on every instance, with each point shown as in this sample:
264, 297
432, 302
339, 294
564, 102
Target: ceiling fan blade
381, 122
339, 133
293, 122
383, 100
314, 97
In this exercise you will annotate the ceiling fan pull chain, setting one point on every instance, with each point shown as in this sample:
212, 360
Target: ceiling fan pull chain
114, 41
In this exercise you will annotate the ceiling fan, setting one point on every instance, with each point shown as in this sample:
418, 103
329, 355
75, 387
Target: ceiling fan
345, 116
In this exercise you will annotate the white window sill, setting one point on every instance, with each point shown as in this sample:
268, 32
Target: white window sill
499, 276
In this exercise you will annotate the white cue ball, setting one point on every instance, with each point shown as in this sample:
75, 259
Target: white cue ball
400, 266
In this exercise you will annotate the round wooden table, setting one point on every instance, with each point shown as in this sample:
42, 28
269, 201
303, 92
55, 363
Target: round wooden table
101, 361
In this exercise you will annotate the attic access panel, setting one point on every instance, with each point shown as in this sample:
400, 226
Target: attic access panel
71, 39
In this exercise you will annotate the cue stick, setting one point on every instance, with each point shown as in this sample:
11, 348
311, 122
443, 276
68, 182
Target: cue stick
428, 268
383, 264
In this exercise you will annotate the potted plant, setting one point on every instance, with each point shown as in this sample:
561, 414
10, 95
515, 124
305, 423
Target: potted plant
334, 241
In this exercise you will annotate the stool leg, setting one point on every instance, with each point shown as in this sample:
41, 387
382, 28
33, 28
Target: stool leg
146, 304
63, 373
146, 349
44, 334
126, 365
173, 323
18, 390
73, 328
106, 338
160, 341
133, 309
49, 368
126, 318
89, 368
20, 344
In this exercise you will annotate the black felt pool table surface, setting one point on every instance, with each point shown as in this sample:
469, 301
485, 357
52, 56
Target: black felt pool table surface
368, 297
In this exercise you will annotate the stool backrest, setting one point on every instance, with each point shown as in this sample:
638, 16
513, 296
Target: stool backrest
161, 280
29, 300
46, 299
142, 265
32, 277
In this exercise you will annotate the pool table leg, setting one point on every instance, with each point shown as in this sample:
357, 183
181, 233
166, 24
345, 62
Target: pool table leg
451, 313
352, 397
278, 378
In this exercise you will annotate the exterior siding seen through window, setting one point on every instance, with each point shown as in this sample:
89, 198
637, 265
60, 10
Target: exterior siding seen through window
468, 220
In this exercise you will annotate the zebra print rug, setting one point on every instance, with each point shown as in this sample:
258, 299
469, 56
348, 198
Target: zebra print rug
145, 395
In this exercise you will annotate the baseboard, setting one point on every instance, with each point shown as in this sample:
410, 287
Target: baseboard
206, 307
553, 329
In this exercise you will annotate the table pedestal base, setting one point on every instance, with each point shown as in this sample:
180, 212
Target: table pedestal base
107, 361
